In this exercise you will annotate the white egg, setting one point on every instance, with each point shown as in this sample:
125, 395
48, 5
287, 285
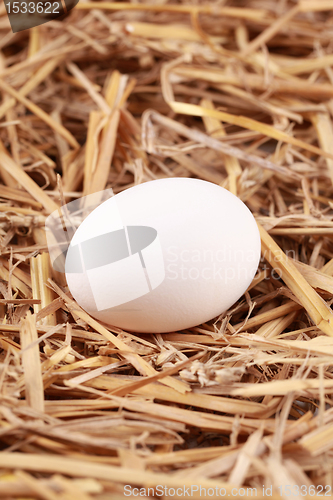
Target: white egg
163, 256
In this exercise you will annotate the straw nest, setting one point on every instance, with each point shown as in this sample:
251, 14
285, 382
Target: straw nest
116, 94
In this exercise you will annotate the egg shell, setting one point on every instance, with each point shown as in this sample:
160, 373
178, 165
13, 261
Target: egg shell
163, 256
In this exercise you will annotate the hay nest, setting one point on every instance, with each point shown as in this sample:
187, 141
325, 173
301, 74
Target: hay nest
116, 94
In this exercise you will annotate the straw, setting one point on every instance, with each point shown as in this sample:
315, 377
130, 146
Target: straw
116, 94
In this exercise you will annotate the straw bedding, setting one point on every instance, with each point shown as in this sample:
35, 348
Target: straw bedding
236, 93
